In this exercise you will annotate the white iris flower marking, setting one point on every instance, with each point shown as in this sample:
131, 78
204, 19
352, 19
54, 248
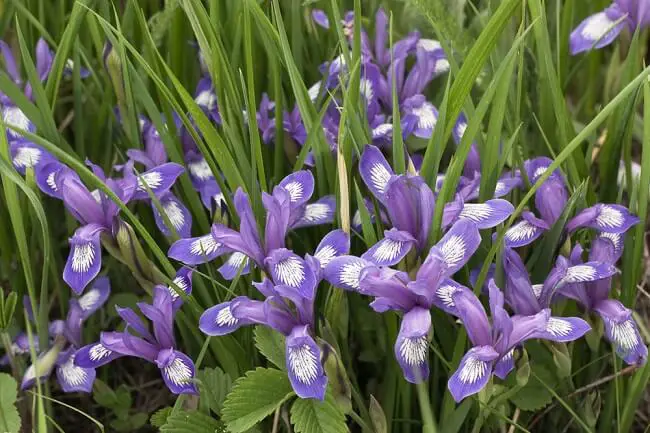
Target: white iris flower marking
350, 273
200, 169
207, 99
453, 251
295, 190
290, 272
87, 301
610, 217
442, 66
236, 259
476, 212
445, 294
27, 157
178, 372
382, 130
315, 212
51, 181
152, 180
83, 257
429, 45
414, 350
366, 89
614, 237
314, 91
379, 176
558, 327
623, 334
304, 364
537, 290
205, 245
174, 213
225, 317
597, 26
540, 171
521, 231
181, 283
325, 255
72, 374
473, 370
388, 250
427, 118
460, 129
14, 116
98, 352
580, 273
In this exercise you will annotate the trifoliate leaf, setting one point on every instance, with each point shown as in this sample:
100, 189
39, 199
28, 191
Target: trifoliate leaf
191, 422
535, 395
315, 416
271, 344
9, 418
159, 418
214, 386
254, 397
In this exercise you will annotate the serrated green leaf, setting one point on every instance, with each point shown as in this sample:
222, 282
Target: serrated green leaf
314, 416
214, 386
9, 418
191, 422
271, 344
534, 395
159, 418
254, 397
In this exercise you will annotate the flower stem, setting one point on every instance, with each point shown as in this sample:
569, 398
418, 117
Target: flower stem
428, 422
360, 422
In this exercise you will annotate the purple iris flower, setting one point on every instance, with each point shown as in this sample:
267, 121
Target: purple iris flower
525, 231
607, 218
602, 28
620, 328
206, 98
288, 308
394, 290
157, 345
158, 176
67, 339
286, 208
552, 196
493, 341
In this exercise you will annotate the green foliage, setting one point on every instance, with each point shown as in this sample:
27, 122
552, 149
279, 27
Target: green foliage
214, 385
9, 418
270, 343
535, 395
314, 416
254, 397
191, 422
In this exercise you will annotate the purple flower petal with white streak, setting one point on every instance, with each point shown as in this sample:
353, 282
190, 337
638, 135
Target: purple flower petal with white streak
443, 296
229, 316
195, 251
300, 186
587, 272
564, 329
159, 180
391, 249
412, 345
320, 212
457, 245
71, 377
177, 370
489, 214
335, 244
50, 177
25, 155
609, 218
527, 230
375, 171
320, 17
179, 216
289, 269
426, 113
506, 184
85, 257
622, 331
14, 116
94, 298
305, 370
473, 372
183, 282
598, 30
95, 355
345, 271
505, 365
231, 267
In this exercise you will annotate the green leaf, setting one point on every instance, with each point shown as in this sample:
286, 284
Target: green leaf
159, 418
271, 344
314, 416
214, 385
132, 423
191, 422
534, 395
254, 397
377, 416
8, 308
9, 418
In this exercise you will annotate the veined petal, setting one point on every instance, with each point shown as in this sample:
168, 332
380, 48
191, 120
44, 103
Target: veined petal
472, 314
94, 298
233, 264
85, 257
320, 212
73, 378
621, 330
391, 249
300, 186
345, 271
375, 171
195, 251
426, 113
505, 365
587, 272
50, 177
289, 269
609, 218
412, 345
489, 214
229, 316
179, 216
506, 184
94, 355
305, 370
597, 30
335, 244
159, 180
25, 154
177, 370
443, 296
458, 244
183, 282
527, 230
473, 372
565, 329
14, 116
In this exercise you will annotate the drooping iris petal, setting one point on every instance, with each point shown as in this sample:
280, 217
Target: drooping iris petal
344, 272
506, 184
564, 329
375, 171
457, 245
587, 272
505, 365
335, 244
182, 281
608, 218
231, 267
14, 116
179, 216
71, 377
598, 30
229, 316
391, 249
159, 180
177, 370
94, 298
489, 214
306, 373
25, 155
426, 113
473, 372
527, 230
50, 177
320, 212
443, 296
300, 186
85, 257
621, 330
412, 345
195, 251
291, 270
94, 355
